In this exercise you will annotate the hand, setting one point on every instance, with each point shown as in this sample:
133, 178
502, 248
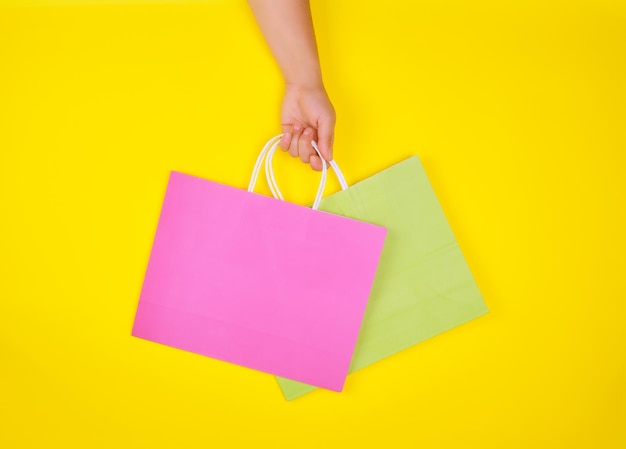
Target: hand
307, 115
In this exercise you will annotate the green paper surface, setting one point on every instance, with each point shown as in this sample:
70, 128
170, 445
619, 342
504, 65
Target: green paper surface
423, 285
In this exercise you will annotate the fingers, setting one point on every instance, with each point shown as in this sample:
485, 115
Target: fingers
315, 162
297, 141
285, 141
326, 131
305, 150
308, 155
296, 133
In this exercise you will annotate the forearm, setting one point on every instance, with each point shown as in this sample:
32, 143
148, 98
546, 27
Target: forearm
288, 29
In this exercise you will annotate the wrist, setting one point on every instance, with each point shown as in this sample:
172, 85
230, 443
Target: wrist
312, 84
308, 79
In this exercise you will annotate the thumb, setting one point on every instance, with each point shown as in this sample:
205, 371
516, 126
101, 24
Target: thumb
326, 136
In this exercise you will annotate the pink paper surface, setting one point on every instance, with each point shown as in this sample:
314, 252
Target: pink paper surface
258, 282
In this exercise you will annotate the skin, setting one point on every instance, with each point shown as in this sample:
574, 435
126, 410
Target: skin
306, 113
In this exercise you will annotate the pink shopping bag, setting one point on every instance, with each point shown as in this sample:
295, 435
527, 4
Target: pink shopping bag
258, 282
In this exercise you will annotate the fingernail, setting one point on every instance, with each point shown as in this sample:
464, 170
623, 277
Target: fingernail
297, 127
308, 132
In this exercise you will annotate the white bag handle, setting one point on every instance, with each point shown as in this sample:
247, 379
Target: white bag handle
267, 153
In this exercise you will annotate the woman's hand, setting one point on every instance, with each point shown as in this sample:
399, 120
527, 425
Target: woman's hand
307, 115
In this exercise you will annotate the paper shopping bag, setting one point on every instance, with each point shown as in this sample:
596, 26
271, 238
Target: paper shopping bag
258, 282
423, 285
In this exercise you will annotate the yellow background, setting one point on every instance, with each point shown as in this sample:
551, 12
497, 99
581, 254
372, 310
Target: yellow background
518, 112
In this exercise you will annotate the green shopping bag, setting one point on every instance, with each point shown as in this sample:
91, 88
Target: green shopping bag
423, 285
